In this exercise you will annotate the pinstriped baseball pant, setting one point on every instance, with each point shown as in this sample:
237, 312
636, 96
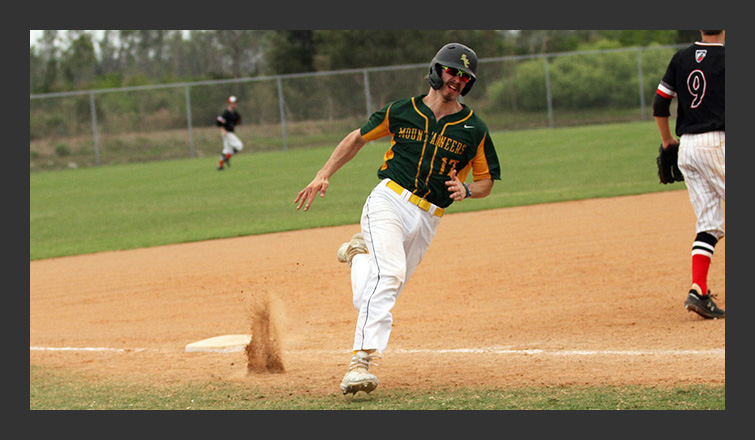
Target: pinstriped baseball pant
397, 234
702, 159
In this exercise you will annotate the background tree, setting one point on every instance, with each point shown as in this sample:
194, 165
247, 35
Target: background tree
48, 57
530, 41
290, 51
74, 59
627, 38
241, 50
36, 67
78, 61
108, 51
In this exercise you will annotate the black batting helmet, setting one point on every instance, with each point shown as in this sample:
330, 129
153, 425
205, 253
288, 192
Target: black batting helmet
454, 55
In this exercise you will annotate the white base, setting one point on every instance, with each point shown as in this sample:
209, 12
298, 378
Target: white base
220, 344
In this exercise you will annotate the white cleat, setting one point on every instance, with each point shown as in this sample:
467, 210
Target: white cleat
358, 377
348, 250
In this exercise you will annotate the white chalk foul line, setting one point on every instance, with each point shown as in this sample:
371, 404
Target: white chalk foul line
539, 351
32, 348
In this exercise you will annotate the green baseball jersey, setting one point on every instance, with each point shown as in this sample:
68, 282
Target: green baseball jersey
423, 151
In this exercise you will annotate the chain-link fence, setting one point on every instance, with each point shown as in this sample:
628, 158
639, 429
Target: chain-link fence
133, 124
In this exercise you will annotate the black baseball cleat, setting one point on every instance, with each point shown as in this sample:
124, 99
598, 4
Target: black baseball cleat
703, 305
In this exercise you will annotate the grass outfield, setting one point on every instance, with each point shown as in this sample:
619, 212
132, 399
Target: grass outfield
141, 205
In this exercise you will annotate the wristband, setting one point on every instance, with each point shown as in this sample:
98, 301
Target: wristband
469, 191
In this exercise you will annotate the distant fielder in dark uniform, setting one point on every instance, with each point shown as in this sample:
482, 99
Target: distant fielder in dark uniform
695, 77
436, 142
227, 123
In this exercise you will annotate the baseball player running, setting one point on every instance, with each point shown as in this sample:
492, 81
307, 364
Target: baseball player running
435, 142
695, 76
227, 123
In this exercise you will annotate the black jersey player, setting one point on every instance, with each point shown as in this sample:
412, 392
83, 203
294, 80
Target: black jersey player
696, 78
227, 123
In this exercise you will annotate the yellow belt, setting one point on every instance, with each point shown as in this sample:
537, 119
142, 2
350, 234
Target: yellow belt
415, 199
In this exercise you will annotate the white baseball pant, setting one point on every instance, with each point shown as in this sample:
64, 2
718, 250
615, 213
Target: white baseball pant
397, 233
231, 141
702, 159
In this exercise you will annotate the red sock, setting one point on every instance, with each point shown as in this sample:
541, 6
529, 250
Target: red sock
700, 266
220, 165
227, 156
702, 254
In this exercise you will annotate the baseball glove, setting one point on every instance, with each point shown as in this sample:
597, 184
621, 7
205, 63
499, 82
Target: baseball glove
668, 170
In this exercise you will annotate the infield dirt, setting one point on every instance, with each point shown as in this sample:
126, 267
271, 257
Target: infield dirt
575, 293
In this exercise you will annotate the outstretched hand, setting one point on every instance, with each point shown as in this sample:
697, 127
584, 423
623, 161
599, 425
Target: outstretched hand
307, 195
456, 187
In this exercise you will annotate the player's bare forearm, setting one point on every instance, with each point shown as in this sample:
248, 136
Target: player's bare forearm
481, 188
343, 153
664, 128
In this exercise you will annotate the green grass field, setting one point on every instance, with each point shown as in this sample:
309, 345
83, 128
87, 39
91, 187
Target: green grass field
140, 205
131, 206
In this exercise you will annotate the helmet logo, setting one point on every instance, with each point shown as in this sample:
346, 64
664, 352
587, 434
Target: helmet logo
465, 60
